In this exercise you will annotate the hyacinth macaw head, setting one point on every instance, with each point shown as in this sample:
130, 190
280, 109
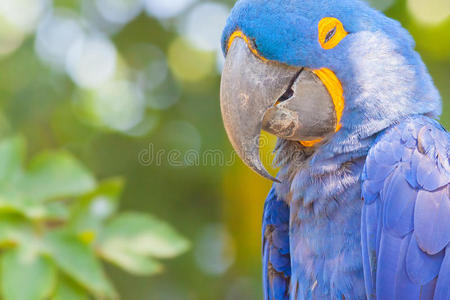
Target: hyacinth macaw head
317, 72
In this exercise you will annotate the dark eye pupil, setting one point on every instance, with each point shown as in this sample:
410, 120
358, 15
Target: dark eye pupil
253, 40
330, 34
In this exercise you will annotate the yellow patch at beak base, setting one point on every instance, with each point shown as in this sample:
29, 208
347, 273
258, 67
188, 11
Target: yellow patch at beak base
250, 45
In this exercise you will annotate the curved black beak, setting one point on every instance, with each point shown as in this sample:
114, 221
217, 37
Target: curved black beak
289, 102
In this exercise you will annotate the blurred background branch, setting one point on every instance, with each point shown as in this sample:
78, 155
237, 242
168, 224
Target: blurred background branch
89, 85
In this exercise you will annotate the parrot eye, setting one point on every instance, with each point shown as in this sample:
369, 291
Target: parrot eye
331, 32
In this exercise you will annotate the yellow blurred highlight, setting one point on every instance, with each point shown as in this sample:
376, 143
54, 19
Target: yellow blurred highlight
11, 37
431, 12
87, 237
189, 64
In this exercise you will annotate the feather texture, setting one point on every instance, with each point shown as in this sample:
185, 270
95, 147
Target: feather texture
407, 175
276, 258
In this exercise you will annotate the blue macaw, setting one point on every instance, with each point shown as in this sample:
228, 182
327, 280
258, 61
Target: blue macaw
360, 207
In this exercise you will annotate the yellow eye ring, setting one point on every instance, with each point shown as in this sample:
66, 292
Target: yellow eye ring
331, 32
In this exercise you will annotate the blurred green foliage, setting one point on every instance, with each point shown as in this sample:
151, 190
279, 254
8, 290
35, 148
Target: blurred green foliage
108, 81
57, 223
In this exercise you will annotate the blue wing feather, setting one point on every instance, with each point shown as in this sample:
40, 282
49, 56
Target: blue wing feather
432, 220
442, 291
276, 258
421, 267
398, 216
403, 287
406, 217
387, 265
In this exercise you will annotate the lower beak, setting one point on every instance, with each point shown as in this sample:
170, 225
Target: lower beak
289, 102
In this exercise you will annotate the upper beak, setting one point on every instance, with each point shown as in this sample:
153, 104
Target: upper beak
289, 102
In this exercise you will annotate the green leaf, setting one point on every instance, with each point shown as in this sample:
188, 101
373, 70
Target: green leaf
56, 211
26, 275
78, 261
90, 212
32, 210
143, 235
12, 230
57, 174
12, 151
68, 290
10, 205
110, 188
131, 262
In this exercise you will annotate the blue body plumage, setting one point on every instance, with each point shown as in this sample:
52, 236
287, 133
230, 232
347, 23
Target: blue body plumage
366, 213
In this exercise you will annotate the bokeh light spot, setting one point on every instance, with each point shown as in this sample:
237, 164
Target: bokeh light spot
204, 24
91, 61
188, 63
24, 14
146, 126
55, 35
164, 9
215, 251
431, 12
150, 63
119, 11
117, 105
101, 207
10, 37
